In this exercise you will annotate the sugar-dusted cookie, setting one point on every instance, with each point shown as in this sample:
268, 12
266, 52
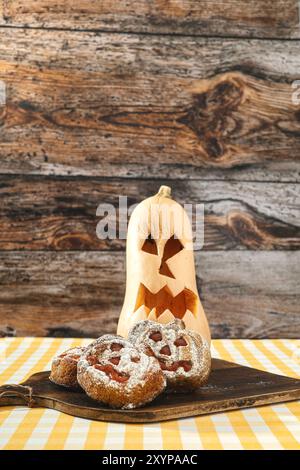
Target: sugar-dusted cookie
64, 367
118, 374
183, 355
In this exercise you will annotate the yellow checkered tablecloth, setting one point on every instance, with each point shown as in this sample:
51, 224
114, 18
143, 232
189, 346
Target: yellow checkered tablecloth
268, 427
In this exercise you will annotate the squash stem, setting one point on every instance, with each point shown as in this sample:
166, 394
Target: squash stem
164, 191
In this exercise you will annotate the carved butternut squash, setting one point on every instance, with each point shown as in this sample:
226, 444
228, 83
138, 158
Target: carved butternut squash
161, 282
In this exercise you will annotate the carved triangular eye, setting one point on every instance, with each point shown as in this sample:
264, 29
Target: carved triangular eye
149, 246
172, 247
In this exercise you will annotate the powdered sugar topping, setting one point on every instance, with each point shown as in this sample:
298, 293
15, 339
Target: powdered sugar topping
114, 361
180, 352
72, 354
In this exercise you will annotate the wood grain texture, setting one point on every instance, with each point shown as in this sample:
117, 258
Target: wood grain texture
230, 386
52, 213
148, 106
91, 115
245, 294
270, 18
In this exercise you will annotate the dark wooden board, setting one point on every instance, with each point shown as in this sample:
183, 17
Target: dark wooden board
246, 294
230, 387
87, 104
243, 18
59, 213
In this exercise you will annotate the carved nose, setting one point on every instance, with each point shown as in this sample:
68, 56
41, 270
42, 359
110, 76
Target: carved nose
164, 270
172, 247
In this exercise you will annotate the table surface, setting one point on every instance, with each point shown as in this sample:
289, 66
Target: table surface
267, 427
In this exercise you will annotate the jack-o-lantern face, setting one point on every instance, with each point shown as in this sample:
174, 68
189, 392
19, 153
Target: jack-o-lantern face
161, 283
159, 302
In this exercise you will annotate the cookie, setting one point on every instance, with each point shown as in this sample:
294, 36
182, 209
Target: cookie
64, 368
183, 355
114, 372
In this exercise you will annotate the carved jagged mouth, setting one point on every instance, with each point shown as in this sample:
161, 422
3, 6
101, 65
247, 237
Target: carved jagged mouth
164, 300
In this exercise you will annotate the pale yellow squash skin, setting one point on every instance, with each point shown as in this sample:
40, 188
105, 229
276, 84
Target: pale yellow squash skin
163, 217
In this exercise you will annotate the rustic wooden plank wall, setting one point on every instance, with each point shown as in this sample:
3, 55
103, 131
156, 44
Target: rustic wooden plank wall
242, 18
108, 98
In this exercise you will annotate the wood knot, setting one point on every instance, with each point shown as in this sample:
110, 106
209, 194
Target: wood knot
211, 116
244, 228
